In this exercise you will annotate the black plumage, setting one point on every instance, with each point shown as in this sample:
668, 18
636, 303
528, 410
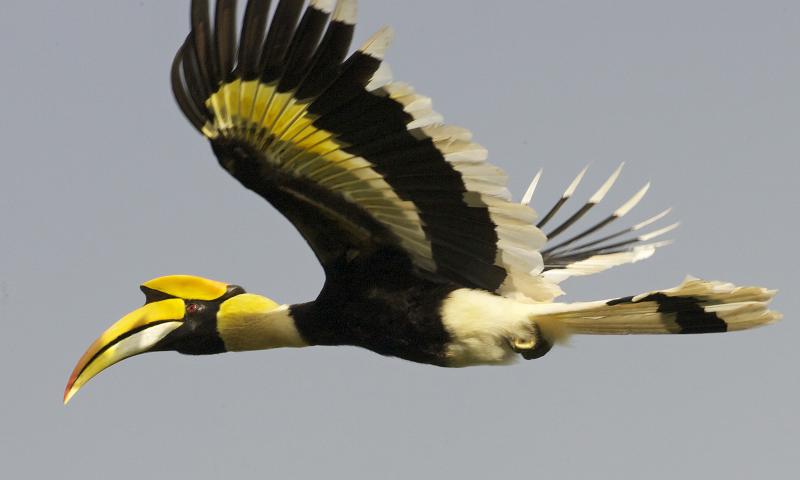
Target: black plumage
279, 37
189, 101
379, 302
252, 38
301, 51
203, 43
326, 64
225, 37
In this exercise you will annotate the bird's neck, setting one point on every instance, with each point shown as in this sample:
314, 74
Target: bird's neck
253, 322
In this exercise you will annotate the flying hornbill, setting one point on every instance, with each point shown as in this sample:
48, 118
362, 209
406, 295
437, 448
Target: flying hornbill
426, 257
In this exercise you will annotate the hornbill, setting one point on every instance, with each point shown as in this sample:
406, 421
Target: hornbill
426, 257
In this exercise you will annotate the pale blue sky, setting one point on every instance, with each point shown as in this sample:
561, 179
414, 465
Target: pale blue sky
105, 185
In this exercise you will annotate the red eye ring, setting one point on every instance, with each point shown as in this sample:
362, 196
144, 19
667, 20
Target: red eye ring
192, 308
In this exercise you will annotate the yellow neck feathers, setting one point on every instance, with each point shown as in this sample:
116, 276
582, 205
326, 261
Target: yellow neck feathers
253, 322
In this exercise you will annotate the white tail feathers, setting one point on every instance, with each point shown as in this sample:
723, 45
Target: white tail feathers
695, 306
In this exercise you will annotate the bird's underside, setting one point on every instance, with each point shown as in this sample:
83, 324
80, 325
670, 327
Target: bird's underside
426, 256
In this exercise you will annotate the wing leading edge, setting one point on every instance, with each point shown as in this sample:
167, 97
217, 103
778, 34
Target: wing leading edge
353, 159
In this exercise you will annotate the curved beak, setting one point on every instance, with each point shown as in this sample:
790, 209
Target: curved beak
137, 332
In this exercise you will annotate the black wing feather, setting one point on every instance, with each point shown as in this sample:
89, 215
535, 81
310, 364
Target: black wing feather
304, 44
279, 38
206, 60
328, 60
344, 158
182, 91
225, 37
255, 20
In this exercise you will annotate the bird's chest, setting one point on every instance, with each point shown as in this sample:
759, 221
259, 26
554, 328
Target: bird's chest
396, 320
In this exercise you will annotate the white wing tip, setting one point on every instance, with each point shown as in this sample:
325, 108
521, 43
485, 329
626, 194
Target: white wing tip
652, 219
323, 5
601, 193
526, 199
346, 11
634, 200
378, 43
382, 77
659, 232
574, 185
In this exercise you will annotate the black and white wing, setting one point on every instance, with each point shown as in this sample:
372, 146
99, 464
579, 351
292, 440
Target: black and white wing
355, 161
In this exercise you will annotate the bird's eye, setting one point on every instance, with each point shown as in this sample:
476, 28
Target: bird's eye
192, 308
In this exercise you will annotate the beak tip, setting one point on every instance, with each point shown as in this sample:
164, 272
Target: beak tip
70, 389
68, 393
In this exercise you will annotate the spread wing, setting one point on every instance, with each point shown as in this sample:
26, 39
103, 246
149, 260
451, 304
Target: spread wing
355, 161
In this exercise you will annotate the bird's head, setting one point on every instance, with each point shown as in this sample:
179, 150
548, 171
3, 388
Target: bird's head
182, 313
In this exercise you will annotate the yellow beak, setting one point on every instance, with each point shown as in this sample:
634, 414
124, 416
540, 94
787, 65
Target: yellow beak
137, 332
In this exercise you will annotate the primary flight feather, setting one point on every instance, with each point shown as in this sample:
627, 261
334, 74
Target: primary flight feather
426, 256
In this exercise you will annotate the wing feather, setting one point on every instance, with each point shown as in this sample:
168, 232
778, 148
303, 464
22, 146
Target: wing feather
353, 159
581, 254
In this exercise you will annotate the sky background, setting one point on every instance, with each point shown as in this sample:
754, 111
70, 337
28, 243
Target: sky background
105, 185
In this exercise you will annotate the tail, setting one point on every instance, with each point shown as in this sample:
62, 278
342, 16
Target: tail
695, 306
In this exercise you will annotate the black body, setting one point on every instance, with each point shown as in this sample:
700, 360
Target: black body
380, 303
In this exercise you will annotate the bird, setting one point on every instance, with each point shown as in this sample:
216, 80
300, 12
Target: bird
426, 255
